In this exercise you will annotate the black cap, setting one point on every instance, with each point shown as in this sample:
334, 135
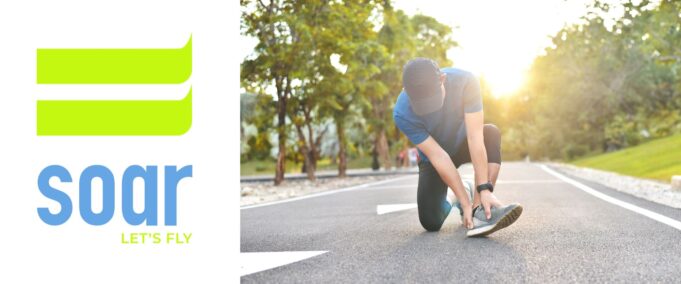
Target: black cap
421, 81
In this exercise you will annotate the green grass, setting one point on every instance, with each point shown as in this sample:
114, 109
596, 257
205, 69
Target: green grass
353, 163
256, 167
658, 159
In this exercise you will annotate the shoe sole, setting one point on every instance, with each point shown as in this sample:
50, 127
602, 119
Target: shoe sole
505, 221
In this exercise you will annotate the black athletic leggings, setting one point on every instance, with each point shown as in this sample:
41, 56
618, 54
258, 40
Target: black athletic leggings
432, 191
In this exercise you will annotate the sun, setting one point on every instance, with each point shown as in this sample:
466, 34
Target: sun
499, 44
503, 82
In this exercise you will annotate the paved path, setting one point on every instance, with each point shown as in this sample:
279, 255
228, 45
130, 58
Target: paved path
571, 231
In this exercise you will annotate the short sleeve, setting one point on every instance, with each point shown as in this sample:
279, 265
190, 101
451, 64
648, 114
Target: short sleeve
472, 99
414, 132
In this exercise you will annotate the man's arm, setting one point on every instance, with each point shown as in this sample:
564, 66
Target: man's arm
449, 174
476, 147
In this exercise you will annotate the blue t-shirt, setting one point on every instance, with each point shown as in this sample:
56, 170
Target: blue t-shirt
446, 126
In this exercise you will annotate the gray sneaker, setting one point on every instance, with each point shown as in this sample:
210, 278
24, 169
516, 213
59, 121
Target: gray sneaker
501, 218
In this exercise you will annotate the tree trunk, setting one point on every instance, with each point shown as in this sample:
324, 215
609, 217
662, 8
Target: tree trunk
312, 145
283, 91
309, 164
313, 155
318, 146
281, 129
307, 154
375, 165
383, 149
342, 159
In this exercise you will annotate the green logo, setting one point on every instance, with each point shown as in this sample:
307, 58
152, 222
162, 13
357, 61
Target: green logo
114, 66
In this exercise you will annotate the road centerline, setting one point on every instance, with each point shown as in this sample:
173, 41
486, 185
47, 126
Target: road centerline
389, 208
253, 262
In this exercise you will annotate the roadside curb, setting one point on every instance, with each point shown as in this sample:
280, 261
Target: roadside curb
333, 191
350, 173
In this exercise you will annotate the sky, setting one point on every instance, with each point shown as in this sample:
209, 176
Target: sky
499, 39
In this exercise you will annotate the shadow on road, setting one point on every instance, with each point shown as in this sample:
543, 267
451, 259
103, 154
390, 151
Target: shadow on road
450, 252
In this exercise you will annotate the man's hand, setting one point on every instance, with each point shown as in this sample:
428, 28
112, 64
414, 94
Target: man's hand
488, 201
468, 216
450, 175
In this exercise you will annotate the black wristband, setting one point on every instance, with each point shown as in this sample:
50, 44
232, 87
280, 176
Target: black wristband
485, 186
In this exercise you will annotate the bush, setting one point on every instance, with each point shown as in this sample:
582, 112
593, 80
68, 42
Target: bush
572, 151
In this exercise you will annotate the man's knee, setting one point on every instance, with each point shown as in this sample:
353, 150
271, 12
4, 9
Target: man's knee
492, 143
430, 224
491, 131
432, 214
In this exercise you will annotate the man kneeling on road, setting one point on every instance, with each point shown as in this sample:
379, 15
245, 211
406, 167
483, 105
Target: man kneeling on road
440, 111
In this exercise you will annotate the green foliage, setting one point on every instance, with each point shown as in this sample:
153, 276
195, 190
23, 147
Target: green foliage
256, 125
604, 84
432, 39
279, 50
404, 38
296, 41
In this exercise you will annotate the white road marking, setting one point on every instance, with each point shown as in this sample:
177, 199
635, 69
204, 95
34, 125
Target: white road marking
527, 181
361, 186
414, 186
252, 262
650, 214
389, 208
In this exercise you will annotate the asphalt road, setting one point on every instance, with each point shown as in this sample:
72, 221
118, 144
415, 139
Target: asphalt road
565, 234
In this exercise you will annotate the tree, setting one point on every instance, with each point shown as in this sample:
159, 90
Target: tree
275, 62
361, 55
404, 38
607, 83
296, 41
255, 110
396, 35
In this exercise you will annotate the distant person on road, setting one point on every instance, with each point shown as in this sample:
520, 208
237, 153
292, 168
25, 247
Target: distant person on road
413, 157
440, 111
